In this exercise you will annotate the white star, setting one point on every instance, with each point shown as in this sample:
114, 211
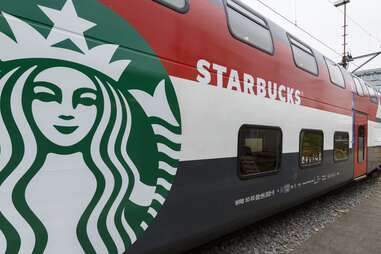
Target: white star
67, 25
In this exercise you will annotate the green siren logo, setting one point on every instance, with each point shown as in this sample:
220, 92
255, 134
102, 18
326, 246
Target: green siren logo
89, 129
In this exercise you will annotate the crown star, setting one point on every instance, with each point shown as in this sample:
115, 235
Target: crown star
67, 19
29, 43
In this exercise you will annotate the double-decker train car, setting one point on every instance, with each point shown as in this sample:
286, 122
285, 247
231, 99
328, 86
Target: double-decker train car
139, 126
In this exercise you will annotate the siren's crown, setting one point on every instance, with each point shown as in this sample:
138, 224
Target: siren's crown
29, 43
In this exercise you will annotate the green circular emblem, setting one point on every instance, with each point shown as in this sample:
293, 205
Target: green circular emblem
90, 129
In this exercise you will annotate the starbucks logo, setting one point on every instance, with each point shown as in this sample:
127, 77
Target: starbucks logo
90, 129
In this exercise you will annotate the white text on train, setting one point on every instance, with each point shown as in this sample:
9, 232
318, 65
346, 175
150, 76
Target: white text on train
246, 83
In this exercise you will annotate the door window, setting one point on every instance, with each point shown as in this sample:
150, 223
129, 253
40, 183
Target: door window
361, 144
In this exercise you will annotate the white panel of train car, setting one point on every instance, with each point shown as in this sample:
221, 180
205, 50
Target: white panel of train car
374, 134
212, 117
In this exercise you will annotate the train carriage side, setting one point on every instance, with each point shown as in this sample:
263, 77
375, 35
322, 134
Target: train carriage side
267, 122
265, 126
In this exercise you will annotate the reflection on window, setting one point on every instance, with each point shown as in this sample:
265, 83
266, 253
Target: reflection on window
303, 56
311, 148
259, 150
341, 146
335, 73
179, 5
249, 28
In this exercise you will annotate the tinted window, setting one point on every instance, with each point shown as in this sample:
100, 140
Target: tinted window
259, 150
358, 86
361, 144
311, 148
303, 56
341, 146
249, 28
335, 73
178, 5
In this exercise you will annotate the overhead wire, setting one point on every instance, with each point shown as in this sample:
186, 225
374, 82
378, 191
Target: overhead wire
303, 30
299, 27
370, 34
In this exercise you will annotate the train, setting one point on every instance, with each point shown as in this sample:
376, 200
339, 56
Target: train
157, 126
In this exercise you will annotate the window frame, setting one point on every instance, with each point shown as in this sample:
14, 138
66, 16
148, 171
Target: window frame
255, 14
262, 174
312, 53
174, 8
300, 149
349, 148
330, 76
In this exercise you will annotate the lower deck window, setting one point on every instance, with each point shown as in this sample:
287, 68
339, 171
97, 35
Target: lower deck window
259, 150
341, 146
311, 148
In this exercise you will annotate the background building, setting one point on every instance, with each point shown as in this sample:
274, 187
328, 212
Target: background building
373, 76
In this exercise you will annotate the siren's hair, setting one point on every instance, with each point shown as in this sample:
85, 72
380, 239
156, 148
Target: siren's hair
103, 227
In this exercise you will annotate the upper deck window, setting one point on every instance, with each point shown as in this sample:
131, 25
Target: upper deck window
358, 86
303, 56
335, 73
248, 27
353, 86
373, 95
364, 87
177, 5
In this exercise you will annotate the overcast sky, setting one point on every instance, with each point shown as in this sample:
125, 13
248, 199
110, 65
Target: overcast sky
325, 21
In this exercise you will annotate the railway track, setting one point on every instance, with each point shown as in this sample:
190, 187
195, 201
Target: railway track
283, 233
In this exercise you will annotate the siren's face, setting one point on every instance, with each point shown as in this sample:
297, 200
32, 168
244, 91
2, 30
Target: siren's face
64, 105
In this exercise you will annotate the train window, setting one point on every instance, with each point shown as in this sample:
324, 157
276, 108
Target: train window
303, 56
311, 148
364, 88
353, 86
177, 5
260, 150
358, 86
361, 144
341, 146
373, 95
248, 27
335, 73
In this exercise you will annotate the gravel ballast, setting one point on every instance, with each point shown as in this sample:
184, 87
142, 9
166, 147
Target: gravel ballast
285, 232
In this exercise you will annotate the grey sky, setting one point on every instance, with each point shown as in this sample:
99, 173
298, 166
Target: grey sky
324, 21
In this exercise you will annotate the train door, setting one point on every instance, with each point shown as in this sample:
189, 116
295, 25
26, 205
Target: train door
360, 148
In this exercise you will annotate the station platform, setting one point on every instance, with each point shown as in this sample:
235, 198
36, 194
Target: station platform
357, 232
